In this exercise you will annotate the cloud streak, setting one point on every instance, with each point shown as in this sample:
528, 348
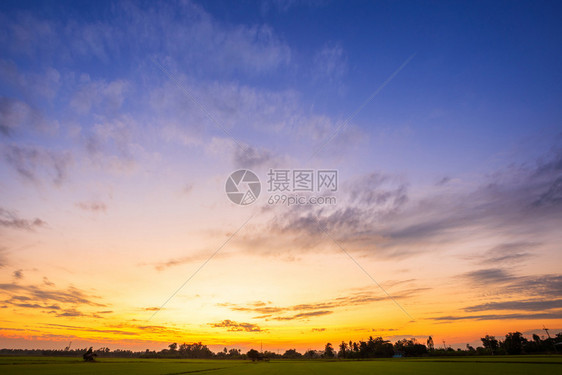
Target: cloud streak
10, 219
232, 326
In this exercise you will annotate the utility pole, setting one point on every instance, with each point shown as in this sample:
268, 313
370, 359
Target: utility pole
546, 330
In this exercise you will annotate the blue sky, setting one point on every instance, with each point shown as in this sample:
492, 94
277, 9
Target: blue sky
113, 122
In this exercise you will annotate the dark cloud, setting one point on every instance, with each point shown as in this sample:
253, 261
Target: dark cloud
15, 115
377, 212
152, 308
18, 274
70, 313
526, 305
489, 276
250, 157
552, 196
47, 282
527, 316
35, 164
305, 315
511, 252
237, 327
10, 219
318, 329
502, 282
61, 303
363, 204
92, 206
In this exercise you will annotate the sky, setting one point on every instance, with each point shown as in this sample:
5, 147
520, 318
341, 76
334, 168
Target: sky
121, 122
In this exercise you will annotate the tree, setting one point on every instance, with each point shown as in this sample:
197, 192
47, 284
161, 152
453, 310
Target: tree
253, 354
343, 350
410, 348
513, 343
329, 351
173, 347
430, 344
292, 354
89, 356
310, 354
234, 353
490, 343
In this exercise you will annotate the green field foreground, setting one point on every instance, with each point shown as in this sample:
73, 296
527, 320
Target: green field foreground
460, 365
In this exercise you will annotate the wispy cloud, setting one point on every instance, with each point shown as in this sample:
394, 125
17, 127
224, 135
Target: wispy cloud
266, 310
10, 219
330, 63
60, 302
34, 163
526, 305
526, 316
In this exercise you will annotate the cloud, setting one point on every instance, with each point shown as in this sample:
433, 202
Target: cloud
182, 30
35, 163
489, 276
364, 205
502, 282
330, 63
15, 115
308, 310
86, 329
377, 215
509, 252
46, 297
10, 219
526, 316
92, 206
304, 315
526, 305
37, 87
99, 95
153, 308
251, 157
318, 329
18, 274
3, 258
70, 313
237, 327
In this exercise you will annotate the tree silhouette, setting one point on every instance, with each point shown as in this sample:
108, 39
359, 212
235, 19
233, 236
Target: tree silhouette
329, 351
89, 356
253, 354
292, 354
513, 343
430, 344
490, 343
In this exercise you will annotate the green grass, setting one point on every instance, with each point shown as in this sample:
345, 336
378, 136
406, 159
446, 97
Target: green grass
461, 365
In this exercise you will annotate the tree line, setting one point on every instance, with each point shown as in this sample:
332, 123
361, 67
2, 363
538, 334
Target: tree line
514, 343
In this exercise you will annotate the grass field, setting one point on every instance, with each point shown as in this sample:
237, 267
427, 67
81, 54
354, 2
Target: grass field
465, 365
